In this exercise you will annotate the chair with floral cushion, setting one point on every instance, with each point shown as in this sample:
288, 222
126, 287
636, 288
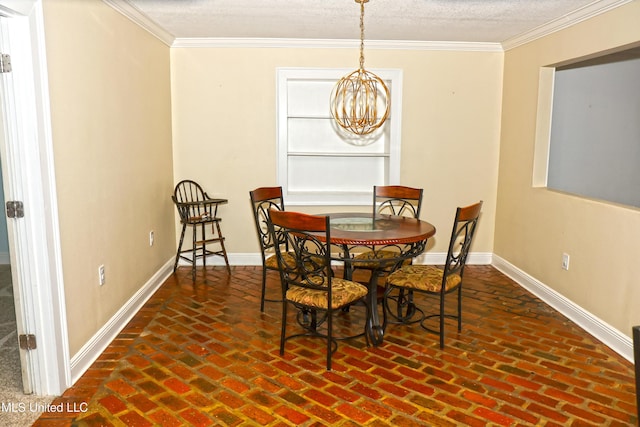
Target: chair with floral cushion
264, 199
307, 280
441, 281
395, 200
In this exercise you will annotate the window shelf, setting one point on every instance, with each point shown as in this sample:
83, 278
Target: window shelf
309, 154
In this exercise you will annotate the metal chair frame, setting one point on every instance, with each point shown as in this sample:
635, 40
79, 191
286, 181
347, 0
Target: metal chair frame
308, 237
263, 199
397, 200
464, 228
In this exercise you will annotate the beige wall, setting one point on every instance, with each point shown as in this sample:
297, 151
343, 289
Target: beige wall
111, 119
224, 128
117, 94
534, 226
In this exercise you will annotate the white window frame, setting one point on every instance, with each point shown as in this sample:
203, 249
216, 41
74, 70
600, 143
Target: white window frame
331, 197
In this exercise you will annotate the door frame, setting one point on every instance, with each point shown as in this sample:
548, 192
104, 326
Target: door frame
29, 176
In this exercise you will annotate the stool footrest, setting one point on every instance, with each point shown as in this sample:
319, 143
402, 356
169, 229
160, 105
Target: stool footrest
212, 240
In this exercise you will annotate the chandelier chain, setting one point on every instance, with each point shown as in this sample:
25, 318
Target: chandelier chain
362, 34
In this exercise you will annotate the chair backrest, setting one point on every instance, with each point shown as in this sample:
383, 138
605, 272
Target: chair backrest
464, 228
306, 237
264, 199
397, 200
186, 192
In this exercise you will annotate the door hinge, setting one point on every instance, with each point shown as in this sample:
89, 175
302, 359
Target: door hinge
27, 342
5, 63
15, 209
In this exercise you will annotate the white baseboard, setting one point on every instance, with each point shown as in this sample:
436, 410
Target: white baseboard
83, 359
432, 258
234, 259
613, 338
4, 258
439, 258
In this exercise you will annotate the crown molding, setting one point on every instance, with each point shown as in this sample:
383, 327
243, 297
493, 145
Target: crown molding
332, 44
139, 18
12, 8
589, 11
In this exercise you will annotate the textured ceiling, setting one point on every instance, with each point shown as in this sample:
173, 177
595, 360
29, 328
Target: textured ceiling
482, 21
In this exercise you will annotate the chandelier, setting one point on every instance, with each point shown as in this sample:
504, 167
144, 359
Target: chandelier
360, 101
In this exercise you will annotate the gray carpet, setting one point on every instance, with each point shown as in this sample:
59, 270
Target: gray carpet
16, 408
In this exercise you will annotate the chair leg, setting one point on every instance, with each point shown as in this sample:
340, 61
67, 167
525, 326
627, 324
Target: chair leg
224, 250
385, 320
329, 337
460, 309
442, 320
283, 330
204, 249
368, 309
175, 265
264, 286
194, 252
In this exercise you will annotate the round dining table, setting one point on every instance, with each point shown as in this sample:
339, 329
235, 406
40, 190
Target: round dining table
402, 237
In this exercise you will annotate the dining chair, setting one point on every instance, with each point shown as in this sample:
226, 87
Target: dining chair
264, 199
307, 280
198, 210
395, 200
438, 281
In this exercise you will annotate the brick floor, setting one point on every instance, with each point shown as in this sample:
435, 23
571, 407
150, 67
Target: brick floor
203, 355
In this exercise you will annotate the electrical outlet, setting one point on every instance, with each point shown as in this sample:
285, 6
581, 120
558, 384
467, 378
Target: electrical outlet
565, 261
151, 238
101, 278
